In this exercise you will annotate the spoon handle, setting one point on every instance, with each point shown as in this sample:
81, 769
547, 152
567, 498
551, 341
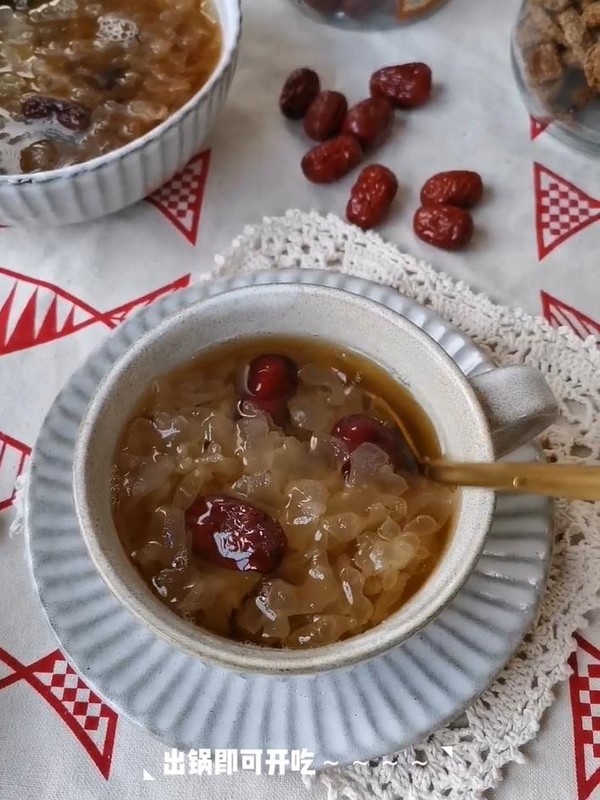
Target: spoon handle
552, 480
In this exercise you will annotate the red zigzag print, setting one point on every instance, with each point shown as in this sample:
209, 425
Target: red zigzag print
93, 723
34, 312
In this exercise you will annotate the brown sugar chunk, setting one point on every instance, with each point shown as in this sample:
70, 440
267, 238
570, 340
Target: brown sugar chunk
554, 5
528, 33
591, 15
591, 66
548, 30
576, 35
544, 64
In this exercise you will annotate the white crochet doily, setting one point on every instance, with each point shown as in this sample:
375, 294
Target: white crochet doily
494, 729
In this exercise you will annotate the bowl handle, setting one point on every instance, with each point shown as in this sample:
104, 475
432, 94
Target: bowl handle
518, 403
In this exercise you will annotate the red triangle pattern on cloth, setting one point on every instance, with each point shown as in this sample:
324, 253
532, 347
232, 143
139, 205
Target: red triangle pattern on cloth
34, 312
584, 687
559, 314
118, 315
92, 722
13, 455
562, 210
180, 199
537, 127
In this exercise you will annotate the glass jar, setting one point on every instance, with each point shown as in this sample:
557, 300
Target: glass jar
556, 59
357, 14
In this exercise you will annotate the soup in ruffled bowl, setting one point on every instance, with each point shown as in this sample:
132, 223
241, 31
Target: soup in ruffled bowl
103, 101
79, 78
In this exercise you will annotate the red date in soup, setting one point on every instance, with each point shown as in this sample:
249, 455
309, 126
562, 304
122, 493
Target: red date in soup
234, 534
272, 376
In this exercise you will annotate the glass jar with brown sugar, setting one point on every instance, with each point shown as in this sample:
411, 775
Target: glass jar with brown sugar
369, 14
556, 58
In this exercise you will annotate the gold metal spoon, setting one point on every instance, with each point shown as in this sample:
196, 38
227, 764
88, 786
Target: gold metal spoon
551, 480
571, 481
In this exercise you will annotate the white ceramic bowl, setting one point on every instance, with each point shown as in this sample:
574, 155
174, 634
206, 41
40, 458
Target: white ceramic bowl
517, 402
117, 179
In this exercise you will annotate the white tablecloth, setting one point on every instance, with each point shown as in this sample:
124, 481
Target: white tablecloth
62, 291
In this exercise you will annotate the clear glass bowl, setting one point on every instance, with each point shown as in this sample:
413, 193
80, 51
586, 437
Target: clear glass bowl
556, 59
369, 14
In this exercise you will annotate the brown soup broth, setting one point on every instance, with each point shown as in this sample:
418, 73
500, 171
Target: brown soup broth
362, 538
79, 78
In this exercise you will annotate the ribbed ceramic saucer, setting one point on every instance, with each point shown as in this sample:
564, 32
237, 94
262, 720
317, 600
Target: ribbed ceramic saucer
344, 716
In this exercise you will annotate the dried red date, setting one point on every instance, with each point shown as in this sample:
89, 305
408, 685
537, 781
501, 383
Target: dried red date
446, 227
272, 375
39, 156
371, 196
270, 382
455, 188
299, 90
71, 115
235, 534
330, 161
36, 106
325, 116
369, 121
358, 429
405, 85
